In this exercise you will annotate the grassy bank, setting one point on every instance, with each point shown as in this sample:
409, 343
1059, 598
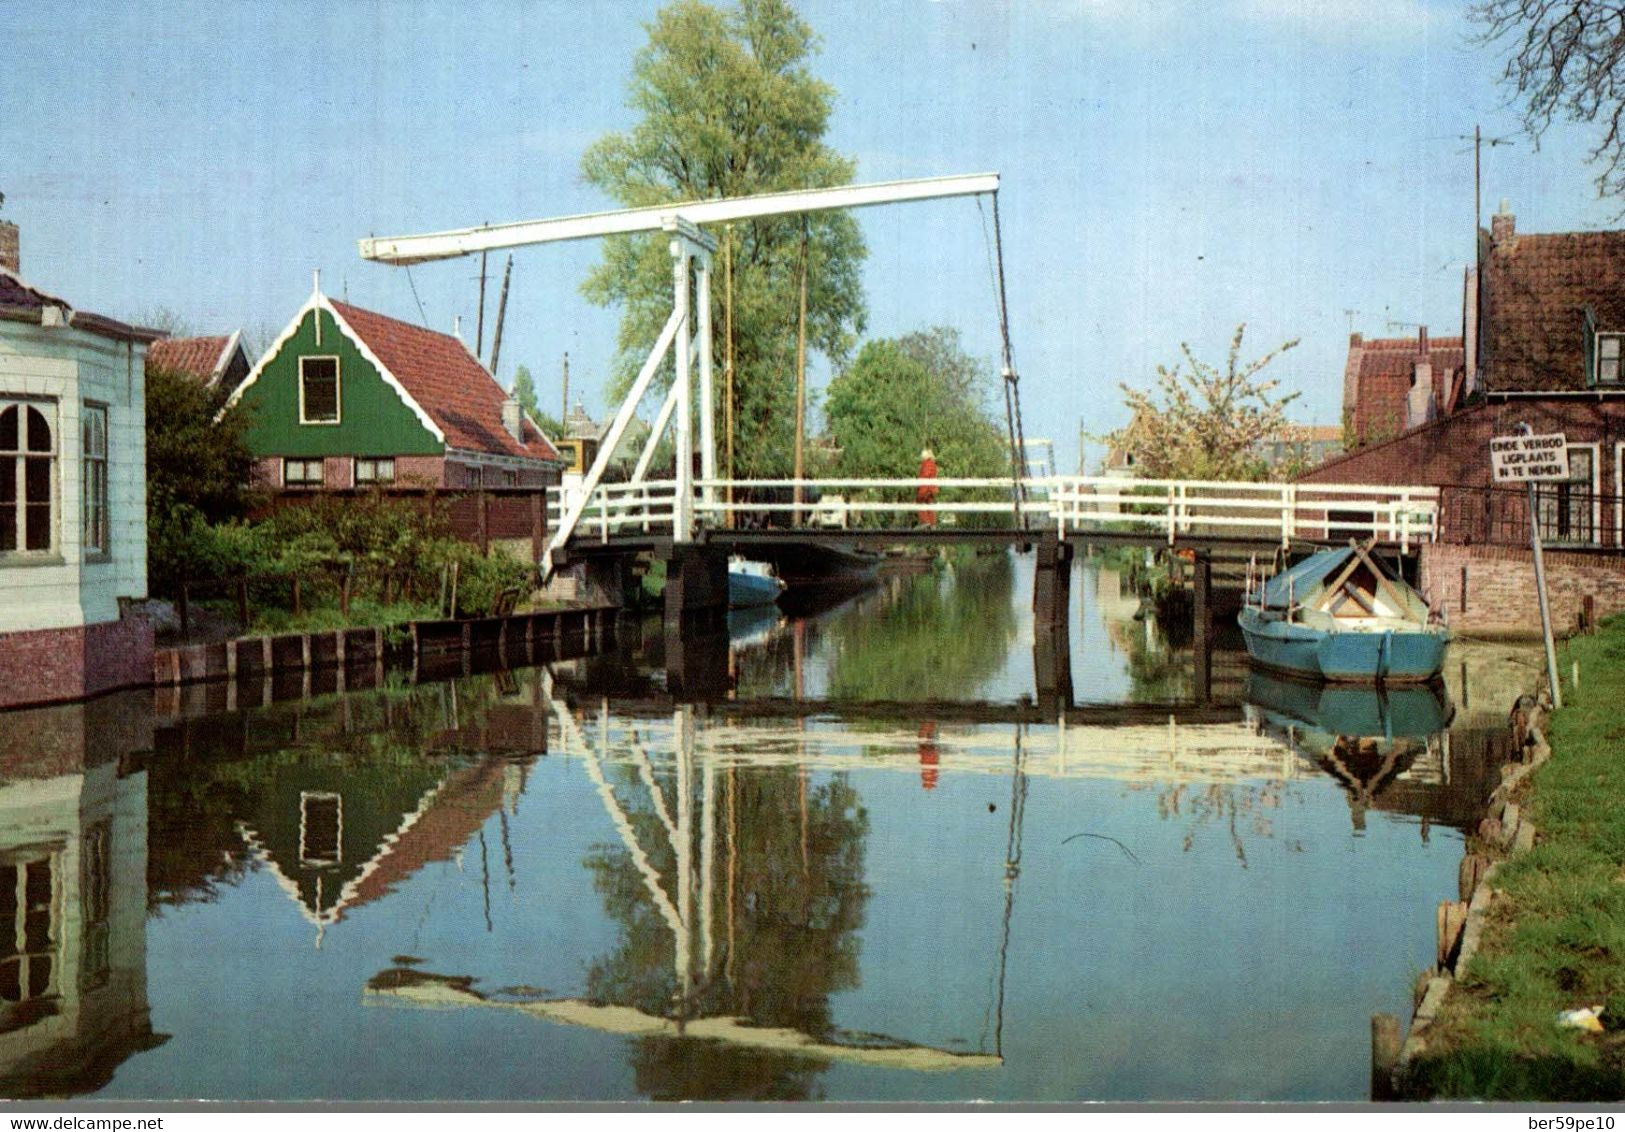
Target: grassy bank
1555, 939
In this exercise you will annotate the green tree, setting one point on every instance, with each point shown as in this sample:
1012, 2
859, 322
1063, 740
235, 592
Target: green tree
524, 391
197, 473
1205, 422
903, 394
728, 107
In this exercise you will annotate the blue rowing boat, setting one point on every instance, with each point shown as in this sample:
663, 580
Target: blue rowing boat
751, 583
1339, 615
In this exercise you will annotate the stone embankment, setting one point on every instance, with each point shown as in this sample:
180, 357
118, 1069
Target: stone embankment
1503, 832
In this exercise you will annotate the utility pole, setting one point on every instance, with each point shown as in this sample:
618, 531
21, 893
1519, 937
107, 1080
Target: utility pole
479, 325
1479, 141
1540, 590
502, 310
566, 411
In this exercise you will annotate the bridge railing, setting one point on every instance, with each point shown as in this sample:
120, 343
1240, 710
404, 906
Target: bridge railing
616, 509
1284, 511
856, 501
1070, 505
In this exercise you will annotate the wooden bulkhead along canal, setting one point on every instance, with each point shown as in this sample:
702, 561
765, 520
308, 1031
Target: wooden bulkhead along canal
851, 854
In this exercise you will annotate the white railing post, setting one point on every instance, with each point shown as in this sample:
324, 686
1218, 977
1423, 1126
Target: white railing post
1172, 519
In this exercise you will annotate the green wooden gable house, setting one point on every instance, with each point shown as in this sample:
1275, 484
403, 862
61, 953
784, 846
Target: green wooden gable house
346, 397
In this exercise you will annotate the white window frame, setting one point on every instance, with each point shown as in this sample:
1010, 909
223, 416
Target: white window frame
1595, 449
53, 420
338, 389
1619, 494
306, 797
308, 485
376, 480
97, 536
1619, 360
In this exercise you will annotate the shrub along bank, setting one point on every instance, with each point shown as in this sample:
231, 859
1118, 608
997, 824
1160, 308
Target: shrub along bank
1555, 937
396, 558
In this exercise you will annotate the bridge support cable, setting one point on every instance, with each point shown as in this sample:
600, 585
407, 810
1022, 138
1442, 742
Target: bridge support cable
1007, 367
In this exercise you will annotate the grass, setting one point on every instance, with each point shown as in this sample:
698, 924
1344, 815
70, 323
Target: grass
1555, 937
363, 614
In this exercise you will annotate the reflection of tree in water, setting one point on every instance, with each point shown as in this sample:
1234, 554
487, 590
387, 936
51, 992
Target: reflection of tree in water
789, 901
1237, 810
940, 637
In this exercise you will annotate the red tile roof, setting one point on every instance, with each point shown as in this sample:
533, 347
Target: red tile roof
468, 797
457, 392
1536, 288
197, 358
1383, 380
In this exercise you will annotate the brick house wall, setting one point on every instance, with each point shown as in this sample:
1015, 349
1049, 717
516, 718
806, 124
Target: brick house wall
1490, 590
1453, 454
57, 665
338, 472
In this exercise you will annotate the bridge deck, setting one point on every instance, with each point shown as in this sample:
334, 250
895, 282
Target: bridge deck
589, 544
1090, 510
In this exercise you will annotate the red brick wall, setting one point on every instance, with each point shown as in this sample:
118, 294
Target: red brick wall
54, 665
420, 471
339, 471
1499, 598
1453, 454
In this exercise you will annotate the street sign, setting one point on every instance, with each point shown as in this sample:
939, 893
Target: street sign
1523, 458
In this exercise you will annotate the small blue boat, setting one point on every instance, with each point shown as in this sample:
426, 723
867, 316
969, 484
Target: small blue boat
1339, 615
751, 583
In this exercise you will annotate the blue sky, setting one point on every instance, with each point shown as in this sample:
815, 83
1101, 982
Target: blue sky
1170, 169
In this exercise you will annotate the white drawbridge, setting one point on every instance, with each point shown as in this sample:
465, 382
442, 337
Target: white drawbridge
688, 329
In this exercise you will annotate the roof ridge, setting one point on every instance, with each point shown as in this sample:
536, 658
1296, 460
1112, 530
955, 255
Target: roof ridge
401, 322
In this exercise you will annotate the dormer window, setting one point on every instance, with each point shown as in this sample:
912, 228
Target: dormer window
1609, 365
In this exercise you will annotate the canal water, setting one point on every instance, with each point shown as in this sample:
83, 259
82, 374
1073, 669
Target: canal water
853, 855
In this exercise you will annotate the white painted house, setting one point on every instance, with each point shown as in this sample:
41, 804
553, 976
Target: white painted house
73, 498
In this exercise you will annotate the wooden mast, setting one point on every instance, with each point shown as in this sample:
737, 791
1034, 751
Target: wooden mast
502, 310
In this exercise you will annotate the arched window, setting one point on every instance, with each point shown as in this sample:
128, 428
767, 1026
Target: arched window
27, 476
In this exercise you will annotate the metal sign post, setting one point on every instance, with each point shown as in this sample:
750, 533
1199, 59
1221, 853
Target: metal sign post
1532, 458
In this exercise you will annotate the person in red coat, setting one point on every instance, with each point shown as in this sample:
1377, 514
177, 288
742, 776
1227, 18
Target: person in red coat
926, 493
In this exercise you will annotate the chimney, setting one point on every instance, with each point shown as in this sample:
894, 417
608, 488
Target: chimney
511, 419
1502, 226
1422, 340
10, 248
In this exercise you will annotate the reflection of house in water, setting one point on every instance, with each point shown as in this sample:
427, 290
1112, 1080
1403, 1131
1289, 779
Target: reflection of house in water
339, 828
73, 858
338, 837
340, 797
